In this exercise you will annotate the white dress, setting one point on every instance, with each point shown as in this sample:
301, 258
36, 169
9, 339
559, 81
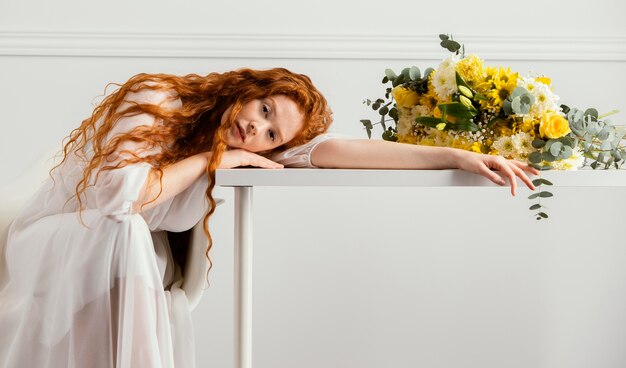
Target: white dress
106, 293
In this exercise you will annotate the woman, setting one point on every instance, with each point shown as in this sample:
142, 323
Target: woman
91, 280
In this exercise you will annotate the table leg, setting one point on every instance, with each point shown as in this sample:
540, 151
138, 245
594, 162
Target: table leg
243, 277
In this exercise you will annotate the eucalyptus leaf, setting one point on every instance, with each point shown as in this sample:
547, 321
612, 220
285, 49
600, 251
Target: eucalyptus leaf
535, 157
545, 194
542, 214
414, 73
390, 74
367, 123
534, 207
538, 143
566, 152
555, 149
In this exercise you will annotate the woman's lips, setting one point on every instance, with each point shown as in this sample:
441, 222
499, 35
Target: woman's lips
241, 133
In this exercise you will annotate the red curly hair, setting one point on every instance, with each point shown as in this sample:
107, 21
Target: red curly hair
192, 129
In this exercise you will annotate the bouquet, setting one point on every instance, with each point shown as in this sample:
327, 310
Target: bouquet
494, 110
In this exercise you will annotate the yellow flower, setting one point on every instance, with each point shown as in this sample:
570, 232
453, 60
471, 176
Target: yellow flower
405, 97
429, 99
407, 139
504, 81
471, 69
427, 141
544, 80
553, 125
479, 148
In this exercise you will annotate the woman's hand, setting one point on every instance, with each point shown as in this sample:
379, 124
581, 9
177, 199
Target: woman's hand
482, 164
241, 157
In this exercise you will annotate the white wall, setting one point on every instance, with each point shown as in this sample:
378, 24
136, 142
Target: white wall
381, 278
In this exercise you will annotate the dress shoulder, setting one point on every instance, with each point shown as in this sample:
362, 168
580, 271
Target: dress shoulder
300, 156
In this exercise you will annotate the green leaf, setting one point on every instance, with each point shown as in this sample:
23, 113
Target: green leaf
567, 141
466, 126
414, 73
542, 214
533, 196
428, 121
389, 136
535, 157
538, 143
457, 109
385, 80
478, 96
384, 110
427, 72
547, 156
540, 181
367, 123
534, 207
393, 113
451, 45
545, 194
555, 148
593, 113
443, 37
390, 74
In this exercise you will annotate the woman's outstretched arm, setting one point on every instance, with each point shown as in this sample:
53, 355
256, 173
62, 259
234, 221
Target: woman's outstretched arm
378, 154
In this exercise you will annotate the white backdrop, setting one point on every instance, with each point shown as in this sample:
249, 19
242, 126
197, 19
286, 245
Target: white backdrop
368, 277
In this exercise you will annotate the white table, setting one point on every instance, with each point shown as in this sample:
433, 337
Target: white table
244, 180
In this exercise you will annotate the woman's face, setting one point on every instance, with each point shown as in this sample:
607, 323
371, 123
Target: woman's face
264, 124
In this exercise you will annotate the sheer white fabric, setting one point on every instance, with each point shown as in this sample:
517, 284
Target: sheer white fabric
106, 293
300, 156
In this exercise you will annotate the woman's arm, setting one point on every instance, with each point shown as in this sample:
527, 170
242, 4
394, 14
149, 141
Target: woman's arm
378, 154
182, 174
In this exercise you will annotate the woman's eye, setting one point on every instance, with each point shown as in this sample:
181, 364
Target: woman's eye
272, 136
266, 110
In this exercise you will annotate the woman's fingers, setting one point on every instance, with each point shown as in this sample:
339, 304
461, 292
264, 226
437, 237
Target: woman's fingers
263, 162
512, 170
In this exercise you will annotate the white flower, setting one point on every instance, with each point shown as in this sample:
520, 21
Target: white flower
505, 147
522, 143
405, 121
572, 163
444, 78
545, 99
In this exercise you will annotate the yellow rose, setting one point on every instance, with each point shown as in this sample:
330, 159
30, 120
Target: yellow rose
553, 125
405, 97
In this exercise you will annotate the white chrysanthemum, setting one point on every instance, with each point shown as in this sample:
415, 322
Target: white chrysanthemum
522, 144
405, 121
444, 78
572, 163
420, 110
505, 147
545, 99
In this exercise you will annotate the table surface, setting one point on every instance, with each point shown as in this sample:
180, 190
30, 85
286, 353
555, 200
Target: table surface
291, 177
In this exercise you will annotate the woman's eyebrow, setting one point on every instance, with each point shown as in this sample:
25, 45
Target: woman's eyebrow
276, 125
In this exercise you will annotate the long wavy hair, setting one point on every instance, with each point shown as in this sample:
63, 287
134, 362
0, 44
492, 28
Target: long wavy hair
191, 129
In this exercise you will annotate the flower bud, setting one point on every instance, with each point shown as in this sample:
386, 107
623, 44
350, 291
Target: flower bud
465, 101
466, 91
441, 126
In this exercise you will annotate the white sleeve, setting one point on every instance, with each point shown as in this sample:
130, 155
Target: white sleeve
300, 156
117, 190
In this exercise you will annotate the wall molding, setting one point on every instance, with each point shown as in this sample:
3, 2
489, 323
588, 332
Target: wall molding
81, 44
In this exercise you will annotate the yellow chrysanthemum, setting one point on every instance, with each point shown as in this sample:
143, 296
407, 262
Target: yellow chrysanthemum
527, 126
407, 139
504, 81
427, 141
429, 99
471, 69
